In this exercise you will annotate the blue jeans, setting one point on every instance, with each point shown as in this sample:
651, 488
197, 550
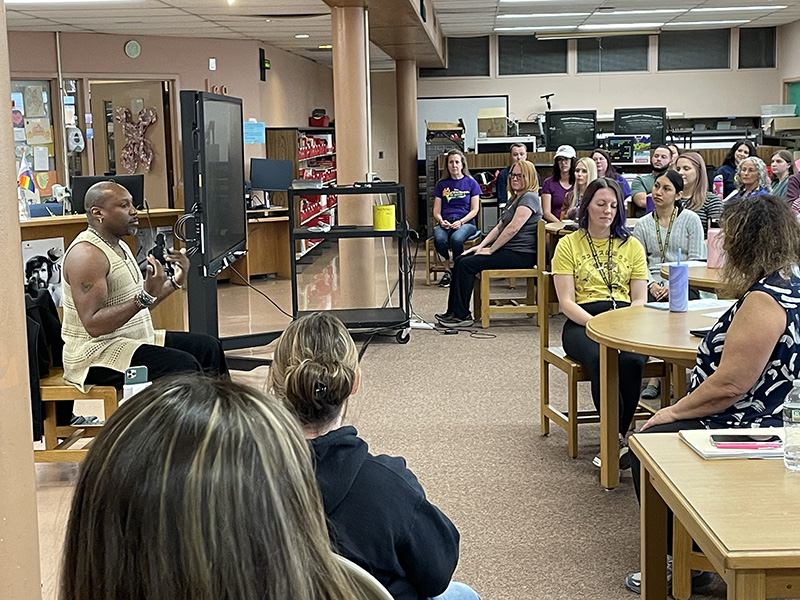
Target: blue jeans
458, 591
446, 239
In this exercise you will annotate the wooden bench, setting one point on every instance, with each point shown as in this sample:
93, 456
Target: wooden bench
54, 389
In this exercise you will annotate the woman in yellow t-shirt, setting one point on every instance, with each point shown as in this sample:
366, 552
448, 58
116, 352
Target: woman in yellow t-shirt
598, 268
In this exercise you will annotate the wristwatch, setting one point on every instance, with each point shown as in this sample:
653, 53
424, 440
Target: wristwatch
144, 300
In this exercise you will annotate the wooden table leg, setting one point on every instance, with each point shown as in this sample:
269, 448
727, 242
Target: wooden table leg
681, 571
609, 417
654, 541
747, 585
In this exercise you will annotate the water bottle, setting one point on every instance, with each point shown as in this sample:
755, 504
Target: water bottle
791, 428
718, 186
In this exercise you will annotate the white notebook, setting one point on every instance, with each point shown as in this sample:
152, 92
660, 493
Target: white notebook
699, 440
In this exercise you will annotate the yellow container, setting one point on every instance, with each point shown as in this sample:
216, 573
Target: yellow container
383, 217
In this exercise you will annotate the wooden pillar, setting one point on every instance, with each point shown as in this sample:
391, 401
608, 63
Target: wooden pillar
406, 75
351, 107
19, 530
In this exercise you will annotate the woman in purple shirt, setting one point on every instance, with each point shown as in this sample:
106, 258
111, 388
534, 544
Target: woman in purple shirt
555, 188
456, 202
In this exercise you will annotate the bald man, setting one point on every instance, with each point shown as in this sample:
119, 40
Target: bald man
107, 326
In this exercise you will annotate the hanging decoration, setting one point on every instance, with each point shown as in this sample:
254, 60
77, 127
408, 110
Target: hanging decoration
137, 149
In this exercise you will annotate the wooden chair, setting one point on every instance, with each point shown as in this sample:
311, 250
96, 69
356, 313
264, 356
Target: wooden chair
434, 266
54, 389
367, 584
554, 355
485, 306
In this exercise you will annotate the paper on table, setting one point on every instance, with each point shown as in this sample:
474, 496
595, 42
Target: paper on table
699, 440
690, 263
702, 304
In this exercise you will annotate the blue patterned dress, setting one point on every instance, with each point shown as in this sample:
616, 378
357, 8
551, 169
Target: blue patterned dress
761, 406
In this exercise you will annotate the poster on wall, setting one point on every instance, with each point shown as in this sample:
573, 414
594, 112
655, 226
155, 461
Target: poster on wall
34, 101
38, 132
42, 260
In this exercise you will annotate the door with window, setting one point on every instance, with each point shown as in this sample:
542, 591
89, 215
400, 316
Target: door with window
116, 143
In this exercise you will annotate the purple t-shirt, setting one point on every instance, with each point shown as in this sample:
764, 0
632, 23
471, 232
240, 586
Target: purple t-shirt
557, 194
455, 195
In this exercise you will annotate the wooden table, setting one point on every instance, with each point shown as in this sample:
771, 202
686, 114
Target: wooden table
702, 278
647, 331
742, 513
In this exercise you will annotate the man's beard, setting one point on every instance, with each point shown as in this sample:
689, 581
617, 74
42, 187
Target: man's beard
661, 170
133, 230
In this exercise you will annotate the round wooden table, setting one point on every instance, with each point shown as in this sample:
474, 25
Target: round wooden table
702, 278
647, 331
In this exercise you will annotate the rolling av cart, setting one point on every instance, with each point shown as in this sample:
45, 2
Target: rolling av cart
309, 234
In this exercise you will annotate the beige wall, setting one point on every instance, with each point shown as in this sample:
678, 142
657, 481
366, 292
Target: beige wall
789, 51
384, 124
295, 86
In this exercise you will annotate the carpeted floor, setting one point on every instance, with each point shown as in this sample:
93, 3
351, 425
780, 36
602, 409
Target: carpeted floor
464, 413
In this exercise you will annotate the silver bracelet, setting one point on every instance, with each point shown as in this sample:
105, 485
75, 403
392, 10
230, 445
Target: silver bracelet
174, 283
146, 299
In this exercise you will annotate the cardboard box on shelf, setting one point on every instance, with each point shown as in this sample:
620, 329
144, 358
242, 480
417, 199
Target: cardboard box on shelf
492, 122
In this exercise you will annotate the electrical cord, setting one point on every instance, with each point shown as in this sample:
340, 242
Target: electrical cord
258, 291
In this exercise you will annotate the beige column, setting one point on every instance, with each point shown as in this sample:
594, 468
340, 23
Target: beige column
19, 530
351, 107
406, 76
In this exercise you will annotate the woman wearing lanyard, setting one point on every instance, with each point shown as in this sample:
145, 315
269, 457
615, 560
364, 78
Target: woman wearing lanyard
665, 231
599, 268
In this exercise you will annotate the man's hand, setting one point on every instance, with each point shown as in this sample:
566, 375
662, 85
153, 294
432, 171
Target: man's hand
156, 282
180, 264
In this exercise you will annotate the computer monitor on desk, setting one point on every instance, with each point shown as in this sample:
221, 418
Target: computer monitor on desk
271, 175
81, 184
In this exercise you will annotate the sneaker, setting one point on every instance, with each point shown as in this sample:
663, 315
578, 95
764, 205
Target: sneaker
624, 456
467, 321
445, 280
79, 420
700, 579
651, 392
443, 317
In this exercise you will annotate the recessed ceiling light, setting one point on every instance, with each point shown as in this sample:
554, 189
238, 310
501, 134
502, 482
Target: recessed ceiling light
617, 26
537, 28
268, 20
727, 8
542, 16
301, 36
680, 23
663, 11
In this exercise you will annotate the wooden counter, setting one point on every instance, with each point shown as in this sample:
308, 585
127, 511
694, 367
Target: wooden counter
170, 314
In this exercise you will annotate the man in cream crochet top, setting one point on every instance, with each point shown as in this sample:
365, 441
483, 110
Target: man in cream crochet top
107, 326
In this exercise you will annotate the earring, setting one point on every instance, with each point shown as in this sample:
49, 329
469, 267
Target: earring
100, 219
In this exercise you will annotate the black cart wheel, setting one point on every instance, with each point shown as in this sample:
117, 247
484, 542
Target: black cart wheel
403, 336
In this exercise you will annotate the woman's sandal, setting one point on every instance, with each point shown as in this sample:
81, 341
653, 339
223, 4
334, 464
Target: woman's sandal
651, 392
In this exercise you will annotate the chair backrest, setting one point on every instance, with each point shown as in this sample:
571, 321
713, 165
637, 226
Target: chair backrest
543, 300
542, 260
371, 587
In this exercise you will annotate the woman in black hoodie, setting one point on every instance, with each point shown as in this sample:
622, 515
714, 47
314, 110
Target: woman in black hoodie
377, 512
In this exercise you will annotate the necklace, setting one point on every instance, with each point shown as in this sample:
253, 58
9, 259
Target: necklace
124, 256
609, 266
663, 246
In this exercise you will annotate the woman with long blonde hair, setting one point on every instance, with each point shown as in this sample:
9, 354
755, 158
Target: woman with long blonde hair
377, 511
200, 489
585, 173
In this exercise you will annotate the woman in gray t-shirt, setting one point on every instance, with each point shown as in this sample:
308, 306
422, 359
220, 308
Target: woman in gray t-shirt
510, 245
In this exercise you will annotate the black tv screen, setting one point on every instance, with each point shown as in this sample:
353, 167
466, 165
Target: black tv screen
642, 121
212, 130
576, 128
81, 184
271, 175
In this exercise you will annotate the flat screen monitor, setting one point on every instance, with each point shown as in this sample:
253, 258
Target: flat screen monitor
642, 121
81, 184
576, 128
271, 175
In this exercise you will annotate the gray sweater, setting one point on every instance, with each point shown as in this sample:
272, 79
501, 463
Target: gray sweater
687, 234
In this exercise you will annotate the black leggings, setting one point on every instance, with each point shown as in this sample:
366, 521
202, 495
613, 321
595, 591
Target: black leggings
587, 352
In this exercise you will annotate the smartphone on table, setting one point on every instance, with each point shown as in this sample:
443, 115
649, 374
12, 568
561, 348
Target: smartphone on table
745, 441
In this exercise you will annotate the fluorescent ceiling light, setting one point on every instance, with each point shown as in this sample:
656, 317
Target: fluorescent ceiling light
526, 1
537, 28
679, 24
663, 11
325, 47
301, 36
587, 34
543, 16
617, 26
717, 9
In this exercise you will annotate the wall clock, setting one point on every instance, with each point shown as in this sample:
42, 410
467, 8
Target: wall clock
132, 49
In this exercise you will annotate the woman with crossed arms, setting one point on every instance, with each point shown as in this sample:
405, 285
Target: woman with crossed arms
598, 268
665, 231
